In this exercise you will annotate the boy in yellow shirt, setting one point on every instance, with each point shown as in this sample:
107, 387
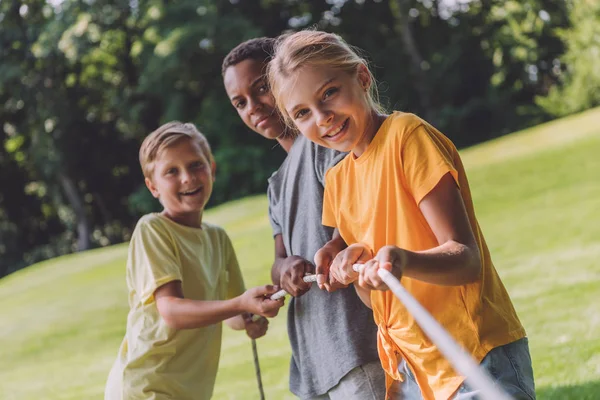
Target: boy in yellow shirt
183, 279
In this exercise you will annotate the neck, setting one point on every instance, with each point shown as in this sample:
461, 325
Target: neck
286, 141
375, 122
191, 220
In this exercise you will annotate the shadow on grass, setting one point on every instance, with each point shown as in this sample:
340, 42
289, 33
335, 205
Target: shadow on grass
584, 391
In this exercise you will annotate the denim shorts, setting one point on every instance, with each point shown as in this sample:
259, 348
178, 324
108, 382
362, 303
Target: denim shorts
509, 366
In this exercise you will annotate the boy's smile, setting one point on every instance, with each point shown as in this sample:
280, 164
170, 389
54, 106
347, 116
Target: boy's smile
182, 180
248, 90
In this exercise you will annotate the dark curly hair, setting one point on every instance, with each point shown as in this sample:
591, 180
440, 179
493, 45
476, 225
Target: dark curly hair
260, 49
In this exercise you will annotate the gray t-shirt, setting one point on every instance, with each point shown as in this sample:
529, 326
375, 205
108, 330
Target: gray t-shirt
330, 333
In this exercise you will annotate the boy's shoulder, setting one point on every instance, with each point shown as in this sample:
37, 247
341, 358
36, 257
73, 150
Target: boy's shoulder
158, 223
151, 221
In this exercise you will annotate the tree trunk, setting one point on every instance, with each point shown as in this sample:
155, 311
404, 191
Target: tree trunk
403, 27
83, 225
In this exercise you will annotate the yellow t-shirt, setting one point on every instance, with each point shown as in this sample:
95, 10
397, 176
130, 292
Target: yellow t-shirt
154, 360
375, 199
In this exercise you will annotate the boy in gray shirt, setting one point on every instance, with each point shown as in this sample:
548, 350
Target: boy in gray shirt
332, 335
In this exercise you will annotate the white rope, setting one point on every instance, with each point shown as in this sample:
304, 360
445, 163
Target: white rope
476, 377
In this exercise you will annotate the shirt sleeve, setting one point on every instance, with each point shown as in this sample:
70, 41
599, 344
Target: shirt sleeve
235, 280
426, 158
153, 260
328, 202
324, 159
275, 225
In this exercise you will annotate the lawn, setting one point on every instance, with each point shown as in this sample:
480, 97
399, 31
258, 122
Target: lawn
537, 197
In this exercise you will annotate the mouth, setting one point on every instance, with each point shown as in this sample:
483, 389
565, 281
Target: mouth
337, 131
192, 192
262, 122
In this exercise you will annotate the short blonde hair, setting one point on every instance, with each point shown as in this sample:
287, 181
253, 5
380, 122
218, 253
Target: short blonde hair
315, 48
164, 137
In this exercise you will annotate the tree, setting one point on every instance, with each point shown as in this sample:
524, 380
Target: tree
579, 82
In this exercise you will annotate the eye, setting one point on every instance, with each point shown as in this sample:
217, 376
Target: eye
330, 92
264, 88
171, 171
239, 104
197, 165
300, 113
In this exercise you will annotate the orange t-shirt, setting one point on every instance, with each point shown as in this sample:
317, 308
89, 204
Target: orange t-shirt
374, 199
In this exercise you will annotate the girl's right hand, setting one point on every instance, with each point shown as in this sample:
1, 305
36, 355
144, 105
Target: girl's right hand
341, 267
257, 301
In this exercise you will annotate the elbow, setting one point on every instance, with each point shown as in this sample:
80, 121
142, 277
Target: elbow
172, 322
165, 310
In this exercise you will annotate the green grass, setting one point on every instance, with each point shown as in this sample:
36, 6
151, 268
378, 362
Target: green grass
537, 197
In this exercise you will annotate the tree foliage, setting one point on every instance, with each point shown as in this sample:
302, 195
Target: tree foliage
82, 82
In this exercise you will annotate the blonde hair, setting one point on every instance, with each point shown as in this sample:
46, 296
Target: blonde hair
315, 48
166, 136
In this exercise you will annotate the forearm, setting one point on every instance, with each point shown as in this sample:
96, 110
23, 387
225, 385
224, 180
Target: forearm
236, 323
336, 241
181, 313
363, 294
450, 264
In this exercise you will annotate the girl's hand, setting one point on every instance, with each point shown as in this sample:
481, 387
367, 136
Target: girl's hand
390, 258
341, 267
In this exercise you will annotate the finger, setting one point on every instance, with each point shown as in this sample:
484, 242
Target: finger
368, 272
322, 263
265, 290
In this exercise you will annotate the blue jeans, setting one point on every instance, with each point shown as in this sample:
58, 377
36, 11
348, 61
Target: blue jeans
509, 366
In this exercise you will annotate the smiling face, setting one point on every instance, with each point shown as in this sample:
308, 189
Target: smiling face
182, 180
331, 108
248, 91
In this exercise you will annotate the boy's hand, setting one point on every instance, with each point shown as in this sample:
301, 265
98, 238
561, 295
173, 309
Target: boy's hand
292, 271
323, 259
390, 258
341, 267
255, 328
257, 301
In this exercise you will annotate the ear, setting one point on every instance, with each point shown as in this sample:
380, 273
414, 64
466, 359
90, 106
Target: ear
213, 167
151, 187
363, 76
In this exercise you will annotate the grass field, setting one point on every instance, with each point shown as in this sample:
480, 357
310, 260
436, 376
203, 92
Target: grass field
537, 197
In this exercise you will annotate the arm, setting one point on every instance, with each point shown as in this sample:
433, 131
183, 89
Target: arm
236, 323
363, 294
455, 261
280, 256
181, 313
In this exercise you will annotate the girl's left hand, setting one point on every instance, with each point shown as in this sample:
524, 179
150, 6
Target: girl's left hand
255, 329
390, 258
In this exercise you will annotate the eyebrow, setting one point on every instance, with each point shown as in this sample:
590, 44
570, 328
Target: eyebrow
252, 85
327, 82
258, 80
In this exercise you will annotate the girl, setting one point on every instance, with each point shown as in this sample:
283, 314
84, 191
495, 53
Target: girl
402, 201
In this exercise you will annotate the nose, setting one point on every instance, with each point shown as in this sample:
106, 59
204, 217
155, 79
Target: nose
187, 176
324, 117
255, 105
